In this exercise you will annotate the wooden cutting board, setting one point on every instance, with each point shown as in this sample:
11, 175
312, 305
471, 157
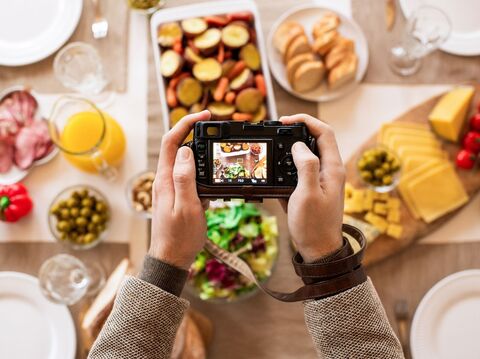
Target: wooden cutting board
413, 229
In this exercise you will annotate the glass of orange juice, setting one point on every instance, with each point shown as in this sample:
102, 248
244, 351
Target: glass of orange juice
89, 138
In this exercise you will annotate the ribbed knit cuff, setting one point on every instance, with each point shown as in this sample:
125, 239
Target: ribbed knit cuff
163, 275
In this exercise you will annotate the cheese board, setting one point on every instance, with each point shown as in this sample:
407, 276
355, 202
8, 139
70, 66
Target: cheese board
413, 229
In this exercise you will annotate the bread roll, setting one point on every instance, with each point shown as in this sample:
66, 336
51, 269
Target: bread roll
344, 72
285, 34
295, 62
299, 45
308, 76
325, 42
330, 21
341, 49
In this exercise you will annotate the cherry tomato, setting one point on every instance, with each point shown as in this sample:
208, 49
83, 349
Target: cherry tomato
471, 142
475, 122
466, 159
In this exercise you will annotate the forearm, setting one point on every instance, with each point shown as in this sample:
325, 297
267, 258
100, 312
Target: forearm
146, 315
352, 324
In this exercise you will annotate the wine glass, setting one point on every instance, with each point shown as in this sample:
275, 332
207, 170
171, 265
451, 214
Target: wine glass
65, 279
78, 66
427, 28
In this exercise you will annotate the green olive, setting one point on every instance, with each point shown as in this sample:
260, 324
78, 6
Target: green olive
63, 226
100, 228
366, 175
64, 213
81, 221
387, 180
84, 193
74, 212
386, 167
87, 202
72, 202
89, 237
86, 212
379, 173
97, 219
100, 206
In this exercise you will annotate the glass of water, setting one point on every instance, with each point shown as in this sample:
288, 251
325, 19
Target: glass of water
65, 279
78, 66
427, 28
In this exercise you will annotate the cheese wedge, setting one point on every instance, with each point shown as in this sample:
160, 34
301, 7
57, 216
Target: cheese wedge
398, 141
448, 115
437, 192
386, 134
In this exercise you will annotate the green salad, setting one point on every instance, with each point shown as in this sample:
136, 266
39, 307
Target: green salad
236, 171
242, 229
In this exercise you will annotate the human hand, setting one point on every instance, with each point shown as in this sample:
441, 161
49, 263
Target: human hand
178, 223
315, 208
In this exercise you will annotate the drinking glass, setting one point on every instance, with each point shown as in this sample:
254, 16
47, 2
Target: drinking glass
65, 279
79, 67
427, 28
90, 139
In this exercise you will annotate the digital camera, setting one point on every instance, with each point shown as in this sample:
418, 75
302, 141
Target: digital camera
247, 160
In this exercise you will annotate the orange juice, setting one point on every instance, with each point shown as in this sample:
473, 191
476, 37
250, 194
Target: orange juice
82, 133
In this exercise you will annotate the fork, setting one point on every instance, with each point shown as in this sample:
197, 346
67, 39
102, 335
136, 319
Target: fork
402, 317
100, 25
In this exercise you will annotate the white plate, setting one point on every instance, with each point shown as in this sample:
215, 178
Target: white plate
307, 16
464, 15
30, 325
16, 174
205, 9
447, 321
32, 30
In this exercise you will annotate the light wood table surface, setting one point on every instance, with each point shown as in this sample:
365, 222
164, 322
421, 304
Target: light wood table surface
260, 327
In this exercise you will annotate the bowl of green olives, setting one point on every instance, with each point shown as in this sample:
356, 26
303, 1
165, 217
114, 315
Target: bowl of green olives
379, 168
78, 217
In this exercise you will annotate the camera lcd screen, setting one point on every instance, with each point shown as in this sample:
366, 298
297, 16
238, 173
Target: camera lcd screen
240, 163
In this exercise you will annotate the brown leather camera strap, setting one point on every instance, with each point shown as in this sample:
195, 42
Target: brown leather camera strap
333, 277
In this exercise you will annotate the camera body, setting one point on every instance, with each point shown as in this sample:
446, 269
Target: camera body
247, 160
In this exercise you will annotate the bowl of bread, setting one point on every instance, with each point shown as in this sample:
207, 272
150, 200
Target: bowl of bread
316, 53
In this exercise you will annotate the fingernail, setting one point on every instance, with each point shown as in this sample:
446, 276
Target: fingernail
183, 154
299, 147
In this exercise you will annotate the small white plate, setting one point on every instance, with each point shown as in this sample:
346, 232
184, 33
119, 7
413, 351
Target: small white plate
464, 15
307, 16
32, 30
30, 325
447, 321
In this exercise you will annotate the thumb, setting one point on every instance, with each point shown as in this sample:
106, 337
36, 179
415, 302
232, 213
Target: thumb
184, 178
308, 165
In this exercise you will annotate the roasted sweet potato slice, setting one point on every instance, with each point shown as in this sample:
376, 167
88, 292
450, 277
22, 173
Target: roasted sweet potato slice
249, 54
194, 26
235, 35
189, 91
227, 66
207, 70
249, 100
208, 41
221, 111
197, 107
168, 34
170, 63
242, 81
177, 114
191, 57
261, 114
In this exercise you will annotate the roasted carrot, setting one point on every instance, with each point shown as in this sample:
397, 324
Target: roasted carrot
230, 97
240, 116
253, 35
260, 83
171, 98
227, 55
221, 88
216, 20
236, 69
177, 47
221, 53
242, 15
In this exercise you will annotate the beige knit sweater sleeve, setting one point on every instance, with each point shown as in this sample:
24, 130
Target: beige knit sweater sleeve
143, 323
145, 318
352, 324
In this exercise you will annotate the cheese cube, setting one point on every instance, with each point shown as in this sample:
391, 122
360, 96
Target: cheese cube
380, 223
393, 203
448, 115
381, 196
348, 190
393, 216
395, 230
368, 200
380, 208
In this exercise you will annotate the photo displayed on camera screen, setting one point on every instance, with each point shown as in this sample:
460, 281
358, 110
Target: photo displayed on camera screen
239, 163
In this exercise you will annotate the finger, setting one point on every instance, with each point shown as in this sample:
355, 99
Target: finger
184, 179
308, 166
170, 144
327, 145
284, 203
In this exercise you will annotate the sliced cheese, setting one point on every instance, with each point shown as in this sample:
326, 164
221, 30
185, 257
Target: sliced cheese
385, 135
448, 115
426, 152
437, 192
397, 142
413, 162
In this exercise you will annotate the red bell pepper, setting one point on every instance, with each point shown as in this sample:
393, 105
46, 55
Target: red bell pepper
15, 202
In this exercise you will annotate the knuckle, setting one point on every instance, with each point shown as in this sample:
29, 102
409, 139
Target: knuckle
310, 163
181, 177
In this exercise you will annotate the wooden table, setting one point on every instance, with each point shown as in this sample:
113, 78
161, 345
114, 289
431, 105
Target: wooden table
260, 327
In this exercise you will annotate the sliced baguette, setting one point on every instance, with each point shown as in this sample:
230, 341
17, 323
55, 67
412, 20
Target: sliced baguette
308, 76
299, 45
342, 48
284, 35
328, 22
344, 72
324, 43
295, 62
